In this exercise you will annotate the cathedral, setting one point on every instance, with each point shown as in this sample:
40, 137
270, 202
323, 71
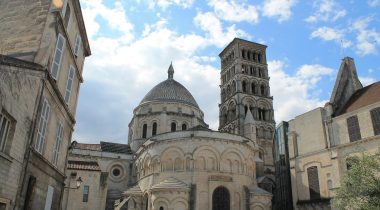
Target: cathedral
173, 161
181, 164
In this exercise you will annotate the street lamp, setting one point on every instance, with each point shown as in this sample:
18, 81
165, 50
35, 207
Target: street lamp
78, 183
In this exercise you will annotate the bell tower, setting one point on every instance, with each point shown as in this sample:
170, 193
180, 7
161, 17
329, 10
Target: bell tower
246, 106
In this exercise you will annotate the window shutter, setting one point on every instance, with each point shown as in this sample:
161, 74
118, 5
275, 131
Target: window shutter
78, 42
42, 126
60, 46
69, 85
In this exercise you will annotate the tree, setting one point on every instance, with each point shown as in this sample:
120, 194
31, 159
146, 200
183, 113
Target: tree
360, 189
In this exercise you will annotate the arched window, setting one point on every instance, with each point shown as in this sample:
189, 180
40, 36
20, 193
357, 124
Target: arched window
145, 128
244, 85
253, 88
375, 116
173, 127
184, 126
154, 129
161, 208
312, 175
262, 89
221, 199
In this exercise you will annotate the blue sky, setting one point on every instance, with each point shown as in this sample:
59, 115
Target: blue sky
133, 43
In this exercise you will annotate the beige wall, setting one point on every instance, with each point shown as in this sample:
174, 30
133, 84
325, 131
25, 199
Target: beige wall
97, 191
307, 147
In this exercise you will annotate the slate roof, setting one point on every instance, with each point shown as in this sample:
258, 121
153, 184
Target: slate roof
83, 165
104, 147
363, 97
115, 147
170, 91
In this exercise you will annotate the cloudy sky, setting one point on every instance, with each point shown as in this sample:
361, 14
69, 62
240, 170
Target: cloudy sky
133, 43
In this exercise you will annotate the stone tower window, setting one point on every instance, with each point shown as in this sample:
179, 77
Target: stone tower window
161, 208
154, 129
375, 116
173, 127
312, 175
145, 128
244, 85
184, 126
353, 128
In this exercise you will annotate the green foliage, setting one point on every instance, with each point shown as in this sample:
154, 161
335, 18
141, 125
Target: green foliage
360, 189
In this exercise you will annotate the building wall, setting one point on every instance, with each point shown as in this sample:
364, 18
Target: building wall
20, 89
308, 147
33, 42
107, 161
97, 191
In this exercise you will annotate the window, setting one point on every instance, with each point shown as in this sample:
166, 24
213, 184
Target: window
66, 18
312, 175
173, 126
375, 116
69, 85
154, 129
42, 126
116, 172
78, 42
244, 86
86, 191
145, 128
5, 125
60, 46
57, 146
353, 128
49, 197
184, 126
221, 199
161, 208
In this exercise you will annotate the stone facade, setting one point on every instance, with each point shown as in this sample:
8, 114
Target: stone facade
317, 170
39, 103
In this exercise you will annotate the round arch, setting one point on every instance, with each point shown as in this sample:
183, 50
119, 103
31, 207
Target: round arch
221, 199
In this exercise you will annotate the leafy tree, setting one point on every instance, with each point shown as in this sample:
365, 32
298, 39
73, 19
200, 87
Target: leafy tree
360, 189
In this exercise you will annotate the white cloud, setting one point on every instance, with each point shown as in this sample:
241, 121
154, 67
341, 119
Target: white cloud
280, 9
374, 3
292, 93
121, 73
115, 18
234, 11
367, 39
326, 10
216, 35
331, 34
367, 80
166, 3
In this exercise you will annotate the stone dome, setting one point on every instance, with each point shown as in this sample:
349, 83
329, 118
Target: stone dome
170, 91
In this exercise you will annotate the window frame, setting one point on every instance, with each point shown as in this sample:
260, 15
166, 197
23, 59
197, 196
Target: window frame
57, 144
58, 65
353, 128
173, 127
86, 193
70, 78
375, 118
42, 126
144, 131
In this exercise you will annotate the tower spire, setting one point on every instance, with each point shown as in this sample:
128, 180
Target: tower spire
170, 71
